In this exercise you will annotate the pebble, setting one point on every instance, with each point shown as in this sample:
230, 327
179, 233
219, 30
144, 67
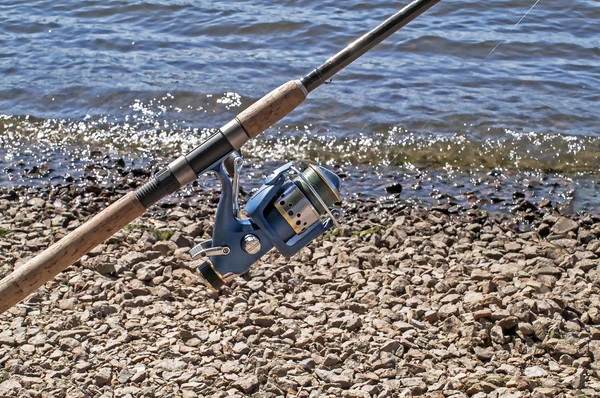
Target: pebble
535, 371
247, 384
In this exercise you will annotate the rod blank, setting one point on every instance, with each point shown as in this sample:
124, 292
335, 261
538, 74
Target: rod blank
365, 43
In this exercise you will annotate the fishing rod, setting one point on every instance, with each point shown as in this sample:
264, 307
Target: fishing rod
285, 213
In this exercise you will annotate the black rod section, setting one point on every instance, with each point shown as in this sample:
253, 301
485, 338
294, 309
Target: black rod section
199, 159
366, 42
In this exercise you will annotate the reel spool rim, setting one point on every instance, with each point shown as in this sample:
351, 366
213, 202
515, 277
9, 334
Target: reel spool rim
317, 196
326, 180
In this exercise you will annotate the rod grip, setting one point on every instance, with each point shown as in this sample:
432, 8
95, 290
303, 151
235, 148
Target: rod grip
34, 273
272, 108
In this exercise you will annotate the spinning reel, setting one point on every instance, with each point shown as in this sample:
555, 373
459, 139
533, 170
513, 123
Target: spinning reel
286, 213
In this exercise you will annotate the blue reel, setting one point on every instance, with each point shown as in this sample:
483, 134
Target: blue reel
284, 213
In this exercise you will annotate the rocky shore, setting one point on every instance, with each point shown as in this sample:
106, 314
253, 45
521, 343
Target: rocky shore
401, 301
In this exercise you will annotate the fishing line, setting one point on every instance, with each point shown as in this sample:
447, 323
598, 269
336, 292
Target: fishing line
372, 181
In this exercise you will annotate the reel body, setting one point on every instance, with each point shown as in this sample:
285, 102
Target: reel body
284, 213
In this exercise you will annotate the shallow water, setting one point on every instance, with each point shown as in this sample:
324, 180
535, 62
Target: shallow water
148, 80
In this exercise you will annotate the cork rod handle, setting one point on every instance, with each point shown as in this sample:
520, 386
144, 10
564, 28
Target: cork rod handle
30, 276
272, 108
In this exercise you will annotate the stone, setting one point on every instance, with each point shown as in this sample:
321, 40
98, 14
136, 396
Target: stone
535, 371
484, 354
493, 254
241, 348
165, 247
132, 258
508, 323
248, 384
391, 346
28, 348
497, 334
576, 381
564, 225
9, 388
447, 310
103, 377
480, 275
82, 366
544, 392
193, 230
180, 240
431, 316
541, 326
565, 347
170, 365
484, 313
124, 376
394, 188
307, 364
36, 202
139, 376
331, 359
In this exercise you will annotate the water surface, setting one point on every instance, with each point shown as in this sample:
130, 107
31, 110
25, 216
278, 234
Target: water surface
152, 79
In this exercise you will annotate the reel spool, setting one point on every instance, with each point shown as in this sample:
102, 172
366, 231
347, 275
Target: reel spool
286, 213
301, 204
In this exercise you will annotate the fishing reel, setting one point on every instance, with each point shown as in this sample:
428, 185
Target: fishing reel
287, 212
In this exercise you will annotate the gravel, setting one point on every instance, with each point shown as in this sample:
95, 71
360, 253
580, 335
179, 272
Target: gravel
400, 301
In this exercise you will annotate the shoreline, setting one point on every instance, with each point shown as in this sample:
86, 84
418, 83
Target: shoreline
402, 300
494, 190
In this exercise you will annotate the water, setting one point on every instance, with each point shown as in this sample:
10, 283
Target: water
149, 80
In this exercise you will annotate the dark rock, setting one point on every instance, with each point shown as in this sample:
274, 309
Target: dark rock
394, 188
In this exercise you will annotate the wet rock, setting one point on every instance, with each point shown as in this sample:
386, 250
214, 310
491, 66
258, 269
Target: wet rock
394, 188
564, 225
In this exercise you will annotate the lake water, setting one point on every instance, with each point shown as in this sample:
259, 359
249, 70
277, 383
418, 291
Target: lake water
149, 80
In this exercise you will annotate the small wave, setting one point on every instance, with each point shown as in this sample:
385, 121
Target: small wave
394, 146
